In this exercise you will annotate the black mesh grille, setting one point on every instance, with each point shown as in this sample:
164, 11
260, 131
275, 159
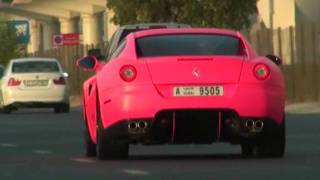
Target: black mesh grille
190, 126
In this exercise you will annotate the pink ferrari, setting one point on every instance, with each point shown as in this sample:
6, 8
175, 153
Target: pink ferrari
184, 86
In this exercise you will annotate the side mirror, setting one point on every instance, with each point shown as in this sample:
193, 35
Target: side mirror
88, 63
65, 74
1, 71
277, 60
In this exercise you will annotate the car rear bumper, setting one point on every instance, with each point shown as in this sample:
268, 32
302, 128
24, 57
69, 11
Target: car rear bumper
36, 97
189, 131
144, 102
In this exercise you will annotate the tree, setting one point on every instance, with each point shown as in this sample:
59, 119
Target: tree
10, 47
7, 1
234, 14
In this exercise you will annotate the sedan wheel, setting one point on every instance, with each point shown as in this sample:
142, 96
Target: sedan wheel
62, 108
6, 110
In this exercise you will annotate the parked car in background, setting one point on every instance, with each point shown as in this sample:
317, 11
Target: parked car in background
184, 86
34, 82
123, 31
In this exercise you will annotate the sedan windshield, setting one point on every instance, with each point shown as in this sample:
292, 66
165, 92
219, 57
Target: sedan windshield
189, 45
35, 66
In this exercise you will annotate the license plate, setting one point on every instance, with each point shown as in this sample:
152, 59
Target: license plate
32, 83
198, 91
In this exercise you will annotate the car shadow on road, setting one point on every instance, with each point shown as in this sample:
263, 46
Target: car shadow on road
185, 157
38, 111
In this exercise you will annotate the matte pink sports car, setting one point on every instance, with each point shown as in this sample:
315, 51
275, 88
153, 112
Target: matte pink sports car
184, 86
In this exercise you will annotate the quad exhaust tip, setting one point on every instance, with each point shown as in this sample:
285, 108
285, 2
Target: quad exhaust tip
255, 126
137, 125
249, 124
258, 124
132, 125
142, 124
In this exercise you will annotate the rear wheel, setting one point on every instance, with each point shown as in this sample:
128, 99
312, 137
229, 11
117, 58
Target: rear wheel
274, 146
62, 108
248, 150
107, 147
6, 109
91, 150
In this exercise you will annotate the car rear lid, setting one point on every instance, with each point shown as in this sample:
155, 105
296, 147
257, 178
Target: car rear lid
194, 70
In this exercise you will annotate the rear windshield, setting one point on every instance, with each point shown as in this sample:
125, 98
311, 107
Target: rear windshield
35, 66
188, 44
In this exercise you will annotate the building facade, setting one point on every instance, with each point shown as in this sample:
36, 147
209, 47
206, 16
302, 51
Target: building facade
89, 18
285, 13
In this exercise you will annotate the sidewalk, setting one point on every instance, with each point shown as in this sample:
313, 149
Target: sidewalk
303, 108
75, 101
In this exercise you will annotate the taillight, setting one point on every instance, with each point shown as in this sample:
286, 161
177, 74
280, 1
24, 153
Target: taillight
14, 82
128, 73
261, 71
60, 81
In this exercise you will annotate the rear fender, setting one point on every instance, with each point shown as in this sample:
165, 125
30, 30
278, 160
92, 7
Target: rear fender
109, 78
272, 89
275, 79
90, 106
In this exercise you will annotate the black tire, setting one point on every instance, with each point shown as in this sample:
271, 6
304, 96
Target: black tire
274, 146
66, 108
281, 143
271, 146
91, 148
107, 148
248, 150
56, 110
6, 109
62, 108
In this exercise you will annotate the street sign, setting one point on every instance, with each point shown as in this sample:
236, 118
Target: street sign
66, 39
21, 27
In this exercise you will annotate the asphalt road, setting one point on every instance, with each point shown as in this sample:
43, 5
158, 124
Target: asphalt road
38, 144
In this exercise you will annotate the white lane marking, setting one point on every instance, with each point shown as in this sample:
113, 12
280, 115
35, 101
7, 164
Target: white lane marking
8, 145
84, 160
136, 172
41, 151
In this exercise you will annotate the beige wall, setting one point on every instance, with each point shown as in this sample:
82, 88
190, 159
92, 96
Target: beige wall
264, 12
283, 12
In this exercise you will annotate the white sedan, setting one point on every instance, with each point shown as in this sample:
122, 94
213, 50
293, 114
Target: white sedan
34, 82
